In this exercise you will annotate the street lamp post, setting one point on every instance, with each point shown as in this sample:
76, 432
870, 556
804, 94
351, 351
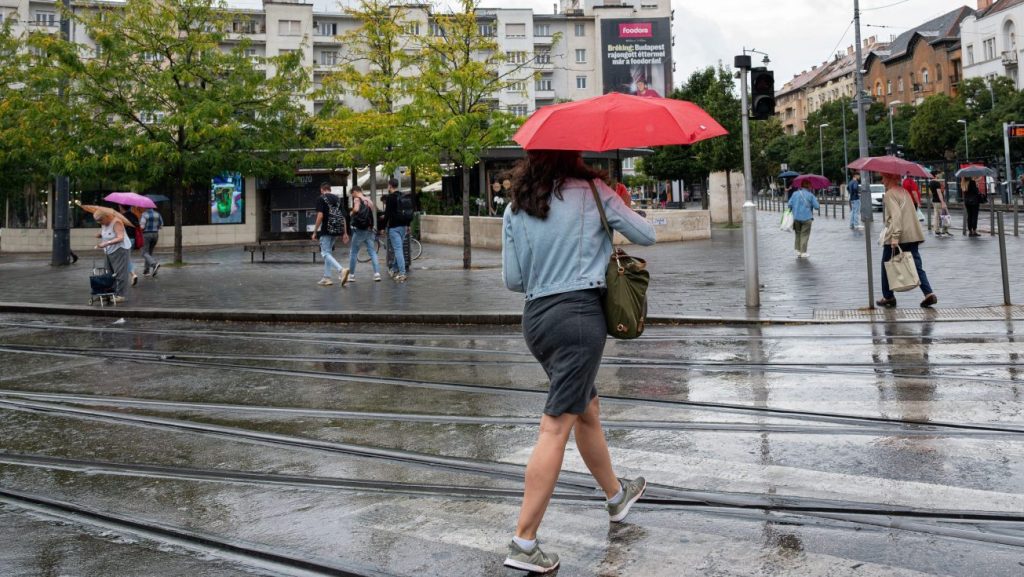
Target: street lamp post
821, 147
967, 150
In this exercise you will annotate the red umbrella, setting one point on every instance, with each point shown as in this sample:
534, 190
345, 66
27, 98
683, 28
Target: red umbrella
890, 165
817, 181
129, 199
615, 121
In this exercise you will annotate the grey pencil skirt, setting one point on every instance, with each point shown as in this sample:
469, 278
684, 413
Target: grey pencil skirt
566, 333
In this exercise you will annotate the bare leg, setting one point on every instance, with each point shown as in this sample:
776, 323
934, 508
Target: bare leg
594, 448
542, 472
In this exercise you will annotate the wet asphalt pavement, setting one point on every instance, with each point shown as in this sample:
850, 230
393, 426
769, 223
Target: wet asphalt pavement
185, 448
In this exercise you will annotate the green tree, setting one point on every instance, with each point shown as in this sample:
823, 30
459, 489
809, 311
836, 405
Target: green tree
166, 103
934, 131
724, 153
377, 67
461, 73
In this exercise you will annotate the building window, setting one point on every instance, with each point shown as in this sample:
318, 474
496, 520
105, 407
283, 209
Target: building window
970, 54
411, 29
888, 87
252, 54
517, 86
989, 48
924, 76
519, 109
515, 57
878, 89
515, 30
328, 58
542, 30
581, 30
436, 29
581, 82
45, 18
544, 85
325, 28
486, 29
899, 85
245, 27
543, 57
938, 73
581, 56
289, 27
152, 57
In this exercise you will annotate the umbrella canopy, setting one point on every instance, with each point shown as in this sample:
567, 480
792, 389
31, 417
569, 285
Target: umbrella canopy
129, 199
816, 181
157, 198
890, 165
974, 170
615, 121
789, 174
98, 210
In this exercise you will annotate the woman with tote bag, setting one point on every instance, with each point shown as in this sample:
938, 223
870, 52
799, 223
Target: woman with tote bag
902, 233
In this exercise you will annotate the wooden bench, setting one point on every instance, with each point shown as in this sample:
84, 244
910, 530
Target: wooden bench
281, 246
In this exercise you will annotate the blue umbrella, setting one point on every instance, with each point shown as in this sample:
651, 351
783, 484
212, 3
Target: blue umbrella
789, 174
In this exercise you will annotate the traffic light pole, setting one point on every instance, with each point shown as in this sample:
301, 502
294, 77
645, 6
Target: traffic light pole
862, 136
749, 208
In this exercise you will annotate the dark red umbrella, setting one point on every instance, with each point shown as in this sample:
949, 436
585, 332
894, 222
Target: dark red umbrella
615, 121
890, 165
817, 181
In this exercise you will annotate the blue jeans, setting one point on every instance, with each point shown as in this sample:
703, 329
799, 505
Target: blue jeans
396, 236
327, 252
854, 213
910, 247
360, 238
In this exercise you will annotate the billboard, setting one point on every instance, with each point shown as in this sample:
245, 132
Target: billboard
227, 199
637, 56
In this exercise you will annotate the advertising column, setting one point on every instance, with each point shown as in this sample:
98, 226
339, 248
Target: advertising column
637, 56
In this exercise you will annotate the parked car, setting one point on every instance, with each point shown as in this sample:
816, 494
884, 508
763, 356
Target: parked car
877, 192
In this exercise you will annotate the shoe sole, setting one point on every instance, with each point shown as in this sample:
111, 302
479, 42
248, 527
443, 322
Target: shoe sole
629, 504
529, 566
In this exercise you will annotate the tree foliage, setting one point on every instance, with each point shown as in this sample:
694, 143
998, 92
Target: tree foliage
162, 102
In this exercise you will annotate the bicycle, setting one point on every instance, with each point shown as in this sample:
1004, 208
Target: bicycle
415, 248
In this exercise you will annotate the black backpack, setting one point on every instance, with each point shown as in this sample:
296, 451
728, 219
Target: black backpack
406, 209
335, 225
363, 218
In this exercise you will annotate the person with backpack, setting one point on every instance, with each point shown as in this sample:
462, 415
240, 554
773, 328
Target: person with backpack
399, 210
362, 234
330, 224
150, 222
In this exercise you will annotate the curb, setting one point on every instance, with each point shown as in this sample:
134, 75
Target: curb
423, 318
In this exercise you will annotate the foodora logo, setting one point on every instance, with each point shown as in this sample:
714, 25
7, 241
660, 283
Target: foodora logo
636, 30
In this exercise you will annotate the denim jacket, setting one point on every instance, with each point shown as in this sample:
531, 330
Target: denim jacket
570, 249
803, 203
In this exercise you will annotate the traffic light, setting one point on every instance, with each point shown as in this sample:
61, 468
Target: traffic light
762, 82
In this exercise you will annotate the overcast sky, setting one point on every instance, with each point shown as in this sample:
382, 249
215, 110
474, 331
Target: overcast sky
796, 34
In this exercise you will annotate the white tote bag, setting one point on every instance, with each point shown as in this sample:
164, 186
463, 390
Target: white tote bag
786, 224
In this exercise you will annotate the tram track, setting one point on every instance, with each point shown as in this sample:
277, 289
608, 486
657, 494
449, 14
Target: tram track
490, 389
442, 419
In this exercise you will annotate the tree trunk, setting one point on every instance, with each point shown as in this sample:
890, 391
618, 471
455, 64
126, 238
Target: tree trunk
728, 192
179, 216
467, 249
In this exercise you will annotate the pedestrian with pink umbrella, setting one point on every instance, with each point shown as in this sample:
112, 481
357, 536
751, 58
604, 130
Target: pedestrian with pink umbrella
803, 203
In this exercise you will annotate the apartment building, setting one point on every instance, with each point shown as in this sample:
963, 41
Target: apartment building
989, 40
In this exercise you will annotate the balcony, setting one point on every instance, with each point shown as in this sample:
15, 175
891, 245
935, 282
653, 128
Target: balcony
1010, 59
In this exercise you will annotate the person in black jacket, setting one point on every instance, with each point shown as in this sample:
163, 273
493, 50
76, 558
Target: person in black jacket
972, 203
399, 209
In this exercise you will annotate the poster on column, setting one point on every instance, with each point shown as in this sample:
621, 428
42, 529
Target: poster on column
637, 56
227, 198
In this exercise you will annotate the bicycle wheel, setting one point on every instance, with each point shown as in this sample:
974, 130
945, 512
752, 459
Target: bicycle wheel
416, 248
365, 256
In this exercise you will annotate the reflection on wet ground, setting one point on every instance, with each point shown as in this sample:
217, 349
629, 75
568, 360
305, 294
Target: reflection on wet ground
886, 449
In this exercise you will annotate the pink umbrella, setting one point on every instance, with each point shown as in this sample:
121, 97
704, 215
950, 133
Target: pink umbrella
817, 181
890, 165
129, 199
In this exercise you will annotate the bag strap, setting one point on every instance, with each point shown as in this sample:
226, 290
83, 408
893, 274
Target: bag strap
604, 221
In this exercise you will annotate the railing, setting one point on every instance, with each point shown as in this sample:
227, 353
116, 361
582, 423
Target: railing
1010, 58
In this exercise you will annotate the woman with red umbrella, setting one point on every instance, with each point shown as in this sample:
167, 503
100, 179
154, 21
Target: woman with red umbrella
902, 231
556, 251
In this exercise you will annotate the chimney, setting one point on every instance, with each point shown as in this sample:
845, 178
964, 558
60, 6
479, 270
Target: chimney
983, 4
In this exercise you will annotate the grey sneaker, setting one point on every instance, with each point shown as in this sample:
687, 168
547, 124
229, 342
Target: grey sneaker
376, 277
535, 560
631, 492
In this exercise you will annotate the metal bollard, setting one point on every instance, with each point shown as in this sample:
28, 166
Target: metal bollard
1002, 262
1016, 221
992, 215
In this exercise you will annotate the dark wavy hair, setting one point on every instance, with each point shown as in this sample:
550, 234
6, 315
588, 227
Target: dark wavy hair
537, 176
